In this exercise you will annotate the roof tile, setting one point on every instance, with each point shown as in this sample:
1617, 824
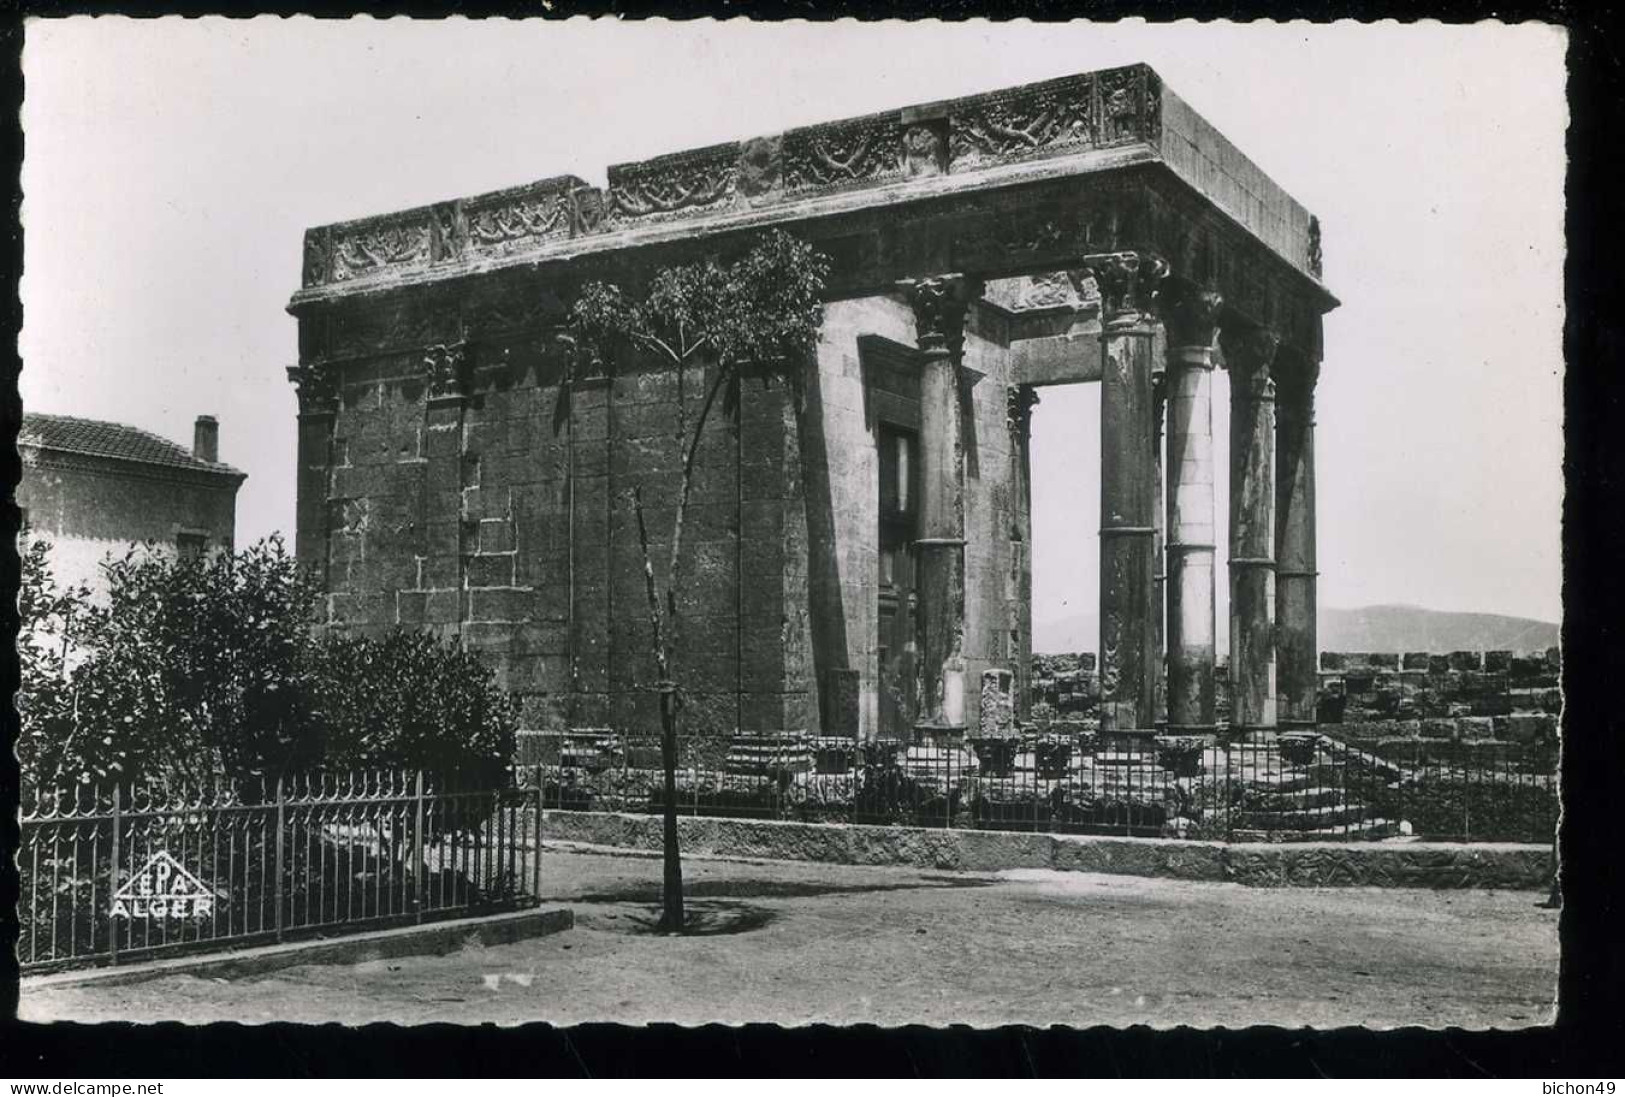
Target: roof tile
98, 438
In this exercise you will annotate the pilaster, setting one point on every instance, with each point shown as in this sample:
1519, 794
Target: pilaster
317, 390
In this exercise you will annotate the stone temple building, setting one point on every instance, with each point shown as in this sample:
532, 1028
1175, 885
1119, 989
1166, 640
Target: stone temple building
857, 557
93, 488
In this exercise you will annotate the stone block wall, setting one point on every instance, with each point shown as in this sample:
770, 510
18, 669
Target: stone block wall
1460, 695
503, 517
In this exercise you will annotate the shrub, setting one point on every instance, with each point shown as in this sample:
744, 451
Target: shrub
192, 670
410, 701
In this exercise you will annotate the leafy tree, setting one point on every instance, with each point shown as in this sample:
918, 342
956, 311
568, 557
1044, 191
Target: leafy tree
48, 618
761, 311
191, 669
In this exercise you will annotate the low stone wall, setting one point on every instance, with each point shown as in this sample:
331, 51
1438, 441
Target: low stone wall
1504, 696
1411, 864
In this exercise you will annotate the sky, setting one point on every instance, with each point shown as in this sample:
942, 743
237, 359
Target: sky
171, 167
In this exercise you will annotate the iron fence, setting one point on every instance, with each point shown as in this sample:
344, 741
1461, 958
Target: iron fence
121, 873
1295, 787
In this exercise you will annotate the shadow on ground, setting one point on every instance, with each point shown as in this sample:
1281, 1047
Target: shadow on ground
776, 889
716, 918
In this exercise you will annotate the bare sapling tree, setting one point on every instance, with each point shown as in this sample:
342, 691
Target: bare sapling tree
757, 313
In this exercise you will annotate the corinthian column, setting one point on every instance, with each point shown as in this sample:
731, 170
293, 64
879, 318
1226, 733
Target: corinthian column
1296, 654
939, 319
1127, 490
1249, 355
1191, 317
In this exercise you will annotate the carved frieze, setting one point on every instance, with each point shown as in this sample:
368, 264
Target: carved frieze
448, 234
683, 183
925, 150
587, 210
1151, 97
1044, 119
1122, 95
318, 258
368, 247
509, 225
1054, 290
844, 154
1315, 259
761, 168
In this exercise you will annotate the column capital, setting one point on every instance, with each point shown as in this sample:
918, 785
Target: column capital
1127, 281
1190, 312
939, 305
1249, 354
449, 369
316, 385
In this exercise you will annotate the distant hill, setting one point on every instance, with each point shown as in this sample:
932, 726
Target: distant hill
1368, 628
1411, 628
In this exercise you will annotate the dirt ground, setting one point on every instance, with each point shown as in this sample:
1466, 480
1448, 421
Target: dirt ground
797, 943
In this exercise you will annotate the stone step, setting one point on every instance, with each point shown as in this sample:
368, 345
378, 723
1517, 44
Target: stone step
1285, 780
1314, 797
1304, 819
1125, 758
1372, 829
756, 755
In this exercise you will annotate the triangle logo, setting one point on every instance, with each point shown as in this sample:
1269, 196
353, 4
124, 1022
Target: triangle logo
163, 877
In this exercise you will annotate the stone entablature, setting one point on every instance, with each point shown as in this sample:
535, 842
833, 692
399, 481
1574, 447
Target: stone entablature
1075, 125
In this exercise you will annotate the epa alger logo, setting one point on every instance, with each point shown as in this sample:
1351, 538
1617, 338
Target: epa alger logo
162, 889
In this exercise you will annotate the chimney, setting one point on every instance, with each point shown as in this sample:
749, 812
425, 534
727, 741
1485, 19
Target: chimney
206, 439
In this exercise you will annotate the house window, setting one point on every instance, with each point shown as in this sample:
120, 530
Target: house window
191, 546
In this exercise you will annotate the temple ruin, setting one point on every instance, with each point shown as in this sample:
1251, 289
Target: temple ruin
860, 563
